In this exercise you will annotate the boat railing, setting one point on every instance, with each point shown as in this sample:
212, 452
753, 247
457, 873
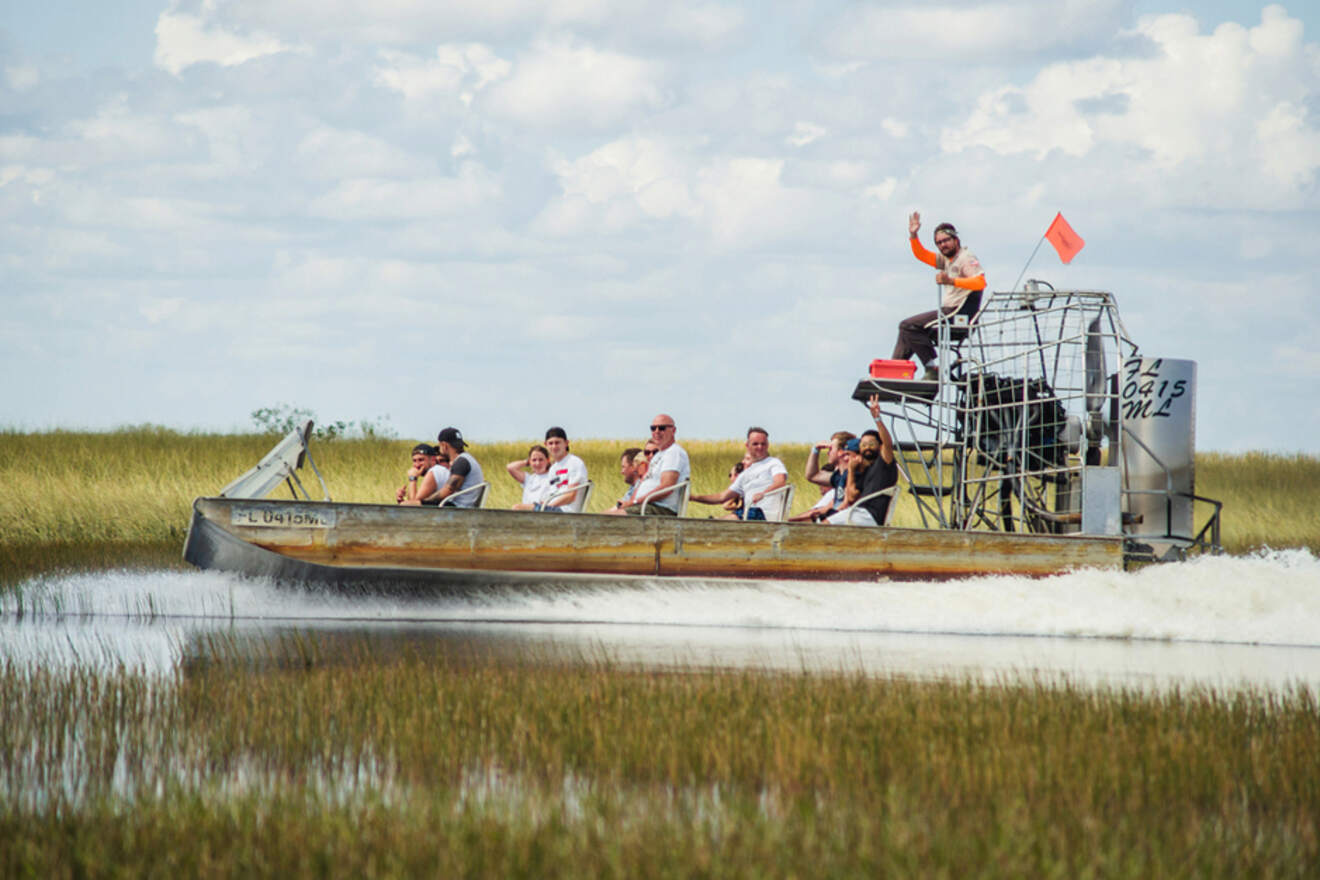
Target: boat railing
780, 503
578, 504
479, 490
683, 488
892, 492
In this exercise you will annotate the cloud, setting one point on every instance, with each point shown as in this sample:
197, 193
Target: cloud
183, 40
1231, 103
373, 199
458, 71
961, 33
565, 85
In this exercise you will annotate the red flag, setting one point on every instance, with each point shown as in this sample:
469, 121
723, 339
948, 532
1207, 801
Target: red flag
1065, 241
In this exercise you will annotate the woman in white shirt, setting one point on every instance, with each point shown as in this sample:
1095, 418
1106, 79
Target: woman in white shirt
536, 483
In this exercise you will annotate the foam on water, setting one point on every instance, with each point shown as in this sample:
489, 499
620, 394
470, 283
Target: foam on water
1268, 598
1253, 620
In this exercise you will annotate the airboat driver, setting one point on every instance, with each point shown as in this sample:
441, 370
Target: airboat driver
763, 473
464, 473
958, 273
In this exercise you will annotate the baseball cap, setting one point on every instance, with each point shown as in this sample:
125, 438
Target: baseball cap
453, 437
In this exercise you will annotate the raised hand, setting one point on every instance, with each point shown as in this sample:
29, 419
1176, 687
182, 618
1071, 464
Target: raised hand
914, 223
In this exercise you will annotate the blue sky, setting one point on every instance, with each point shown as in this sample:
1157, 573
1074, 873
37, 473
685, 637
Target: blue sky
505, 214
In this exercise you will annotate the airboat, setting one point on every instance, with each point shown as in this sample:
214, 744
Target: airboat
1028, 456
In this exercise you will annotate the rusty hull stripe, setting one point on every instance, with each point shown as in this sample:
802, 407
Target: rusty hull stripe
429, 538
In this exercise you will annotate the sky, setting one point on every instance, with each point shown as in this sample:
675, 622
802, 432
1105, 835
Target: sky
508, 214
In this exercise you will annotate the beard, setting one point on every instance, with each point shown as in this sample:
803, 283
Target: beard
870, 454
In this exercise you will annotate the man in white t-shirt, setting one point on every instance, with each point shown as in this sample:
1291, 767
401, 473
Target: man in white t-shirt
669, 467
567, 472
763, 473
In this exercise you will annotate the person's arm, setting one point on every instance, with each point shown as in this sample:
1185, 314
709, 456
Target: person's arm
711, 498
458, 472
668, 479
425, 486
515, 469
976, 282
814, 473
778, 482
886, 439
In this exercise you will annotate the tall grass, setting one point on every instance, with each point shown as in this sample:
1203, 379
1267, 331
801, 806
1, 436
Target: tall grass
76, 499
385, 766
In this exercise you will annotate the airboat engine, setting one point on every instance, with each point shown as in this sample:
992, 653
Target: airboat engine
1156, 406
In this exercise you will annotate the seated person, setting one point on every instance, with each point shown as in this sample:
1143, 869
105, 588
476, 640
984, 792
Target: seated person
734, 504
959, 275
877, 470
423, 459
669, 467
536, 485
629, 463
833, 478
463, 472
567, 472
765, 473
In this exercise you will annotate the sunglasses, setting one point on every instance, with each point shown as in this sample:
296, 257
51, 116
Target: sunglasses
661, 427
648, 453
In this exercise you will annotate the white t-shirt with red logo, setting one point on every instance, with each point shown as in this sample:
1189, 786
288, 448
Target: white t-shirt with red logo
568, 471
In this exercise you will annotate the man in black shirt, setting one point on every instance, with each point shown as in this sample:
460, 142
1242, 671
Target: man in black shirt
878, 471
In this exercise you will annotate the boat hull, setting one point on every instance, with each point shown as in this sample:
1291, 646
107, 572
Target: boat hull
451, 550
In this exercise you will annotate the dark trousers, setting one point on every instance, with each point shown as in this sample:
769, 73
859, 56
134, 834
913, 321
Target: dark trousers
914, 338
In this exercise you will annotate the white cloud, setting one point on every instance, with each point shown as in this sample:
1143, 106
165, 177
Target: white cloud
619, 185
22, 77
183, 40
373, 199
959, 33
557, 84
1203, 104
805, 133
458, 71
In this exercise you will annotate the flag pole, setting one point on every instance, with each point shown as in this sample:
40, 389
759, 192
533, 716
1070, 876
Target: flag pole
1028, 263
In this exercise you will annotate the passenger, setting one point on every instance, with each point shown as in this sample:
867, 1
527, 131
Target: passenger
423, 459
832, 478
567, 471
877, 470
535, 484
464, 472
764, 473
734, 503
628, 463
669, 467
958, 273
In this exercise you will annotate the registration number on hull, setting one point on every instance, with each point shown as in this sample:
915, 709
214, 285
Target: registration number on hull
283, 517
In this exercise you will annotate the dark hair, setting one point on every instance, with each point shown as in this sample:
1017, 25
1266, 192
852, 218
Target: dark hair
425, 449
947, 227
631, 452
755, 430
537, 447
556, 431
871, 433
740, 467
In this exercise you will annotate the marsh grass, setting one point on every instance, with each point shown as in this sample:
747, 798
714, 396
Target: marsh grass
78, 500
423, 763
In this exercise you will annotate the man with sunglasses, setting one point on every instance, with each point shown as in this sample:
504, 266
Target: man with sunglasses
669, 467
959, 275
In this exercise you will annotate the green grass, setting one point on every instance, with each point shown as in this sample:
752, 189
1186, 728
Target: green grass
420, 764
78, 500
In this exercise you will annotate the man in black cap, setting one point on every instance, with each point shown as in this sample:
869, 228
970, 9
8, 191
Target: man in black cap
464, 473
423, 459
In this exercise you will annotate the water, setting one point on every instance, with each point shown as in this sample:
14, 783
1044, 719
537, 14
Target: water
1219, 622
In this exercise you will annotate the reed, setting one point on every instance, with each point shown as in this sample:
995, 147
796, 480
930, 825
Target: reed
87, 500
345, 760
